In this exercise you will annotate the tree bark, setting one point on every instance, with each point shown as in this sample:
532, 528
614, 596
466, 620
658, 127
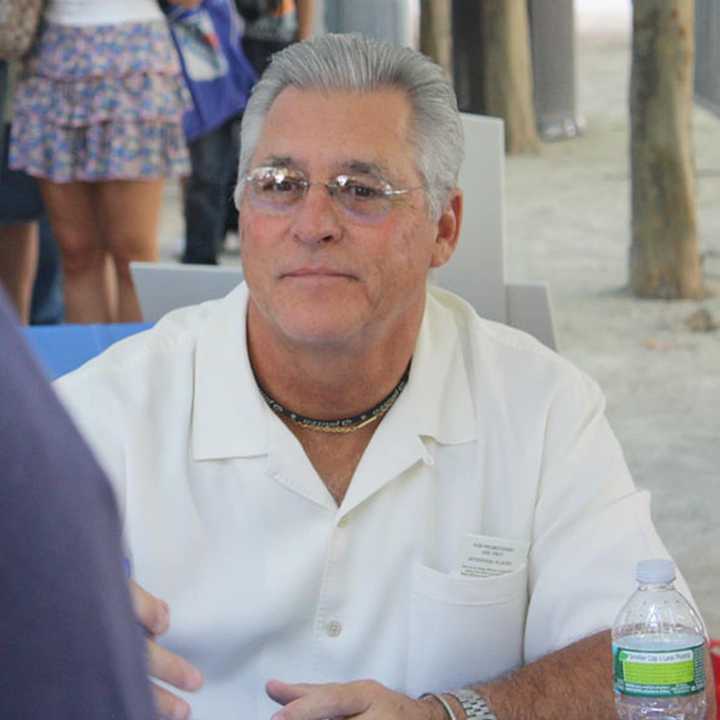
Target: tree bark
468, 55
436, 32
493, 67
664, 257
508, 72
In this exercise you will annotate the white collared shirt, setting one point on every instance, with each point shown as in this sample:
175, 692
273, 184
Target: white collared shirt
226, 519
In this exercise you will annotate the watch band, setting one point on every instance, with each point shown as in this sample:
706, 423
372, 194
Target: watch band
474, 705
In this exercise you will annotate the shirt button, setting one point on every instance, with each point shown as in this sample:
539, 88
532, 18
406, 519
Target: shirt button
343, 522
333, 628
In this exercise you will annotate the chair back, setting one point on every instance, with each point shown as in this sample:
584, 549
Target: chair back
476, 271
61, 349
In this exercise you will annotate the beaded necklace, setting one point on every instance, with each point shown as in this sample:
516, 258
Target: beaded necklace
341, 425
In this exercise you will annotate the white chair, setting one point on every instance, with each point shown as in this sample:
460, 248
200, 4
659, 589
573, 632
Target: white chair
477, 269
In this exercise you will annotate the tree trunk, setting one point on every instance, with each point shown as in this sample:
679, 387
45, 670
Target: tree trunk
508, 72
664, 257
468, 55
493, 68
436, 32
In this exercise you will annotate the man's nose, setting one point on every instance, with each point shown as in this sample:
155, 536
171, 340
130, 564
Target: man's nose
317, 218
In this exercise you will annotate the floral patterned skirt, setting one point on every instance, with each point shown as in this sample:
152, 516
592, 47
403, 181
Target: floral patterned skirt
101, 103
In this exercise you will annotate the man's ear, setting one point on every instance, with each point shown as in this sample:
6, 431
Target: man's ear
448, 229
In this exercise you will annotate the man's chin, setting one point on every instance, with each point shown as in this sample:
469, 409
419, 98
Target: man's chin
322, 331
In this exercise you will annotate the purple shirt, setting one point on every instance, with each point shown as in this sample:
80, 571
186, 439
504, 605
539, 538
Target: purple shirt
69, 645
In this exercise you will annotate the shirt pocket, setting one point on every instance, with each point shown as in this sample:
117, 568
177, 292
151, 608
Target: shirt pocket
463, 630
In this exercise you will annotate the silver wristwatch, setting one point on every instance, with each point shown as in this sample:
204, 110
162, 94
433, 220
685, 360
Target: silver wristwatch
474, 705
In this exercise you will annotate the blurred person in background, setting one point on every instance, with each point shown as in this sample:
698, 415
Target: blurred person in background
46, 307
29, 260
272, 25
98, 114
219, 78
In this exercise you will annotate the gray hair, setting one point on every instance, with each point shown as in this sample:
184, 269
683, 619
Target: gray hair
355, 63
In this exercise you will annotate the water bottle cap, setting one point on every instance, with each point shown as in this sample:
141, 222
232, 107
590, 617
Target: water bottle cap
658, 571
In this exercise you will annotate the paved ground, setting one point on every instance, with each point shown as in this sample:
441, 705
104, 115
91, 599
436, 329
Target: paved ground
567, 222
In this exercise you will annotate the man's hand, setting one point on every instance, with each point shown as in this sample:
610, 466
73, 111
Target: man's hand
364, 699
154, 616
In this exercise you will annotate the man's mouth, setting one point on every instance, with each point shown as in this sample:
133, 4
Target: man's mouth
317, 272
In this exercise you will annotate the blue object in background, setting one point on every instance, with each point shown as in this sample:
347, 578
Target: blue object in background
62, 348
217, 73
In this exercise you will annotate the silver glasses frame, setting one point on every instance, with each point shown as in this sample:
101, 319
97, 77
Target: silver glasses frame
279, 173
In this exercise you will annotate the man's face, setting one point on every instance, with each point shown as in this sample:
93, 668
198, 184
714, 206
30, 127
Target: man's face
318, 275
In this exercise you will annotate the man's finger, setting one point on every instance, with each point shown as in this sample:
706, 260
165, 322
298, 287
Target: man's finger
284, 693
317, 702
169, 706
172, 669
152, 613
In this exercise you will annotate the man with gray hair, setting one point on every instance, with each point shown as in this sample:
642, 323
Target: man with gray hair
337, 472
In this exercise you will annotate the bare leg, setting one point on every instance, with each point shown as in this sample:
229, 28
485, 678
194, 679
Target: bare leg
18, 263
129, 212
72, 209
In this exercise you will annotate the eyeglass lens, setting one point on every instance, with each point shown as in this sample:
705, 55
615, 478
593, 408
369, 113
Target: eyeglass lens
362, 197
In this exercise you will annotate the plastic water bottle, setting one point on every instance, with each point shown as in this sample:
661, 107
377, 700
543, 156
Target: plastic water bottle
658, 650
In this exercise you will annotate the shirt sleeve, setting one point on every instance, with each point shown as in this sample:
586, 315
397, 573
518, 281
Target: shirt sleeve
592, 525
89, 397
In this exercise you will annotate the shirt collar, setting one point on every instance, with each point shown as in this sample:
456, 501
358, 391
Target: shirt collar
438, 399
229, 414
436, 404
229, 417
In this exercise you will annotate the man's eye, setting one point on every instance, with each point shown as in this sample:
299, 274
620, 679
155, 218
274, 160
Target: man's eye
283, 186
271, 186
360, 191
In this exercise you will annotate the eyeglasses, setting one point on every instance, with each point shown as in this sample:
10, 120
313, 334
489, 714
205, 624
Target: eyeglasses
362, 197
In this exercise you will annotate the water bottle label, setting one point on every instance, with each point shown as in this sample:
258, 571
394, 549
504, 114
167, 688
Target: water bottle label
659, 673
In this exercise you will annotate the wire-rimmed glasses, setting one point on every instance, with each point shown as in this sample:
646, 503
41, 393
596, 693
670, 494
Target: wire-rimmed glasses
363, 197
